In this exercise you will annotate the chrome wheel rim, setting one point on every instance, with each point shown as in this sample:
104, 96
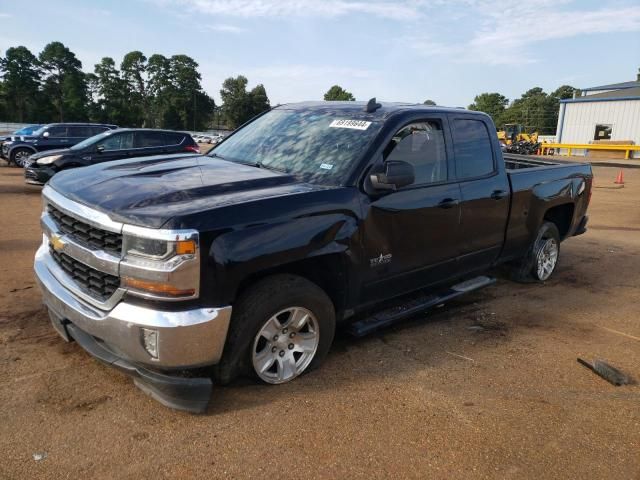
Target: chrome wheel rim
547, 258
21, 157
285, 345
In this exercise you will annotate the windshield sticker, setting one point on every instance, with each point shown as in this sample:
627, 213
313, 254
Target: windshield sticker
353, 124
326, 166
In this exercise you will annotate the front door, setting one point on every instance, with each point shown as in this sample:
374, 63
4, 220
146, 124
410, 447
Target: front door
411, 235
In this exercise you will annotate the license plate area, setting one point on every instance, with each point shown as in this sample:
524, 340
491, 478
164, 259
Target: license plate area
58, 325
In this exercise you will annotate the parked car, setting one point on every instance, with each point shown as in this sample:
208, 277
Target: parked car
24, 131
49, 137
309, 216
105, 147
28, 130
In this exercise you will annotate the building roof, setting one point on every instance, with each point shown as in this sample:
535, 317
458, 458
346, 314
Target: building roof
614, 86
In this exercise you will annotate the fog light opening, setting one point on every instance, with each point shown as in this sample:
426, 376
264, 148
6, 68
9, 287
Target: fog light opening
150, 341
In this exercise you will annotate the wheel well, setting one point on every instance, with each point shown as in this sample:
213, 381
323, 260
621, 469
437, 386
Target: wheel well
561, 215
326, 272
21, 147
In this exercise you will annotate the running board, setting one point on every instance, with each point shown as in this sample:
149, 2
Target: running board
408, 306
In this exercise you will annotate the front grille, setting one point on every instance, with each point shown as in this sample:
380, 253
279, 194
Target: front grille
98, 284
85, 234
30, 174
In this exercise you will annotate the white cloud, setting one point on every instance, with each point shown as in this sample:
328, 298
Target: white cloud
5, 15
398, 9
225, 28
504, 36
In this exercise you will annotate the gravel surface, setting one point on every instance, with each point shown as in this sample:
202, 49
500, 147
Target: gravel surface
486, 387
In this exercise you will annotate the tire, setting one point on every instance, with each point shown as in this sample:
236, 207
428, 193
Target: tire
268, 307
19, 155
540, 262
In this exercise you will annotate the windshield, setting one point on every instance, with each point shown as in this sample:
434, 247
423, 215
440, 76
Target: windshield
320, 146
27, 130
90, 141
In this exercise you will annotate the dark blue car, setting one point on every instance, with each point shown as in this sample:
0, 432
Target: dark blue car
48, 137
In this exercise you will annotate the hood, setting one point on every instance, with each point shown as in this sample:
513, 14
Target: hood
150, 191
50, 153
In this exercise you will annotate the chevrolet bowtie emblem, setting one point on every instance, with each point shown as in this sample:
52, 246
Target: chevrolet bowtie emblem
56, 242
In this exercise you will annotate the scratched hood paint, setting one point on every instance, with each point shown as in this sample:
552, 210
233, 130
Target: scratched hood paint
150, 191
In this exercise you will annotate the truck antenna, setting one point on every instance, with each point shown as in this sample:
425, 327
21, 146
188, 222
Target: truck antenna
372, 106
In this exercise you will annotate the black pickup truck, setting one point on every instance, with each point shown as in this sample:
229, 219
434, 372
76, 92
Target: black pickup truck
243, 261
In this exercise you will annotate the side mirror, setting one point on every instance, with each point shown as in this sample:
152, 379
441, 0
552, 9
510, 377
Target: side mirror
397, 174
100, 148
45, 134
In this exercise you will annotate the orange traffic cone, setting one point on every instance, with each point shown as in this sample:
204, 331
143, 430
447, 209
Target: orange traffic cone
619, 178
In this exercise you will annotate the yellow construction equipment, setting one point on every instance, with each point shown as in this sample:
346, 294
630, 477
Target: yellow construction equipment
515, 132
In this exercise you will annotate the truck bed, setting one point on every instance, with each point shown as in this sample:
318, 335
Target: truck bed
518, 162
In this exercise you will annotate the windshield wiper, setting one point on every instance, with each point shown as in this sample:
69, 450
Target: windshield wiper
261, 164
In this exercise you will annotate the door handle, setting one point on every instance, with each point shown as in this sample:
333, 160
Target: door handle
498, 194
448, 203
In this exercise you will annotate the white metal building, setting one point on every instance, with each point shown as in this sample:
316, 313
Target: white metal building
608, 112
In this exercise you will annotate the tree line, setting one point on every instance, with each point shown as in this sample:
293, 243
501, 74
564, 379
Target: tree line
166, 92
153, 92
535, 108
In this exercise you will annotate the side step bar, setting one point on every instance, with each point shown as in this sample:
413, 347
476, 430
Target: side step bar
408, 306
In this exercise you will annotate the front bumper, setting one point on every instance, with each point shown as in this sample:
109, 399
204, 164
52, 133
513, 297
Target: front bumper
185, 339
38, 175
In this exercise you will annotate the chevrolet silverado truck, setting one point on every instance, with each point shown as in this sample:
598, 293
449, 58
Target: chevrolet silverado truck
183, 270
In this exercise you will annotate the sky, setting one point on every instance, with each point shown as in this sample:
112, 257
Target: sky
395, 50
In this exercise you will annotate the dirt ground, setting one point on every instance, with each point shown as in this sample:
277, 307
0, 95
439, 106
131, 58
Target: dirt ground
487, 387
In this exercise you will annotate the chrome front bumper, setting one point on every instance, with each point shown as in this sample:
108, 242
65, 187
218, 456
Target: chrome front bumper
185, 338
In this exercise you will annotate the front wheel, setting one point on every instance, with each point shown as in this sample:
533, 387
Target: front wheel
542, 257
282, 327
19, 156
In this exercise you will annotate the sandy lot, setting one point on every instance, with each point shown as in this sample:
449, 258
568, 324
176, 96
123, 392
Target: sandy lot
429, 399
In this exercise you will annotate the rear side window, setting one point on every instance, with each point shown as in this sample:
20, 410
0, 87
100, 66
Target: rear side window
95, 130
57, 132
83, 132
150, 139
472, 145
174, 138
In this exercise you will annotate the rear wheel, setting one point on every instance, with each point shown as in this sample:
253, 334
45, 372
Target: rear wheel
542, 257
281, 328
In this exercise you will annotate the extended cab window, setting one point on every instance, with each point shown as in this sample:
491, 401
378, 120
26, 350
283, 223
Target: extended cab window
472, 144
422, 145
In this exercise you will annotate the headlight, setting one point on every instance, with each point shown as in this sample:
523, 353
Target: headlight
160, 264
48, 160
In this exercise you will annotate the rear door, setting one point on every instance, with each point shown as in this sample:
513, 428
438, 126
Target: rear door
411, 235
484, 188
77, 133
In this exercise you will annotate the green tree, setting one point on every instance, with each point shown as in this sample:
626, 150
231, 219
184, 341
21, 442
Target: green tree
21, 81
65, 83
158, 88
195, 108
493, 104
534, 109
429, 102
133, 69
240, 105
113, 102
564, 92
338, 93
